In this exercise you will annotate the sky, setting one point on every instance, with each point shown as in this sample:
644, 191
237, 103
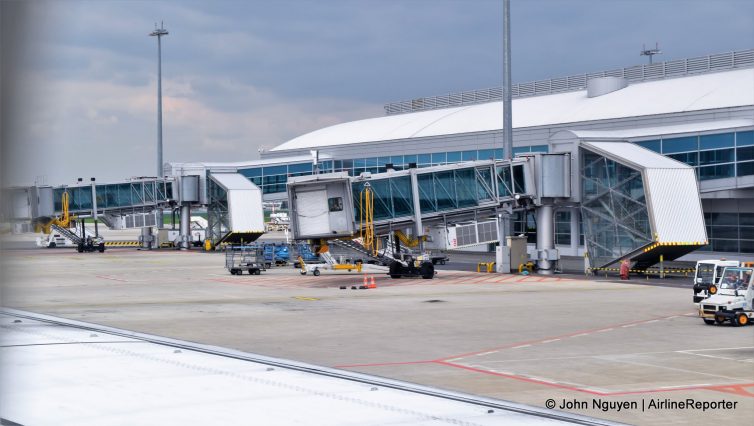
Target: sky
79, 78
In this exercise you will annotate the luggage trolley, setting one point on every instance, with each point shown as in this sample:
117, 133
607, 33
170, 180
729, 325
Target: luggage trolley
244, 258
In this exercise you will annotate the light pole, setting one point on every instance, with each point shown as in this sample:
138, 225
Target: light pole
159, 32
507, 113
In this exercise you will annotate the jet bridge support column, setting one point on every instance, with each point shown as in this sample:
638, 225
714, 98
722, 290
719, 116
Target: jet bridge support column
546, 253
185, 230
418, 227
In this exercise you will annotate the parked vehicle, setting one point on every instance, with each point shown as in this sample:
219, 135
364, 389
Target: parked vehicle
733, 301
708, 273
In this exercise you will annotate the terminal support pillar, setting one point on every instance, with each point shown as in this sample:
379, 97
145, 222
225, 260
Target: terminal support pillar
545, 240
185, 230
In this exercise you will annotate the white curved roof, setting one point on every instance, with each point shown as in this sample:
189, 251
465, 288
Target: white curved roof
693, 93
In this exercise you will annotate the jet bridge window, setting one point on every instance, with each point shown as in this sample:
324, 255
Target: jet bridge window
335, 204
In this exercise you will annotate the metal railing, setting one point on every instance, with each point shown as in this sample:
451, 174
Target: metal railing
655, 71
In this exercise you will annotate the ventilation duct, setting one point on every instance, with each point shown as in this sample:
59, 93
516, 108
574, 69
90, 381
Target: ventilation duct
603, 85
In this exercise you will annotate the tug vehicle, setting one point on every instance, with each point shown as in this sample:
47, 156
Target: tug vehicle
708, 273
733, 301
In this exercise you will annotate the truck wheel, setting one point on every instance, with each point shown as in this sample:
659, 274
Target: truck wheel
741, 319
709, 321
395, 270
303, 272
427, 270
53, 245
101, 247
719, 320
316, 272
80, 248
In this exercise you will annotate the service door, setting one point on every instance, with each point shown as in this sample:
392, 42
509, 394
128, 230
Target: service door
312, 213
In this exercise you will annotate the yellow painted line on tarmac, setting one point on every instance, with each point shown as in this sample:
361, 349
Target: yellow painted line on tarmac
308, 299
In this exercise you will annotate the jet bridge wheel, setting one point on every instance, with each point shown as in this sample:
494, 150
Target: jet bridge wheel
427, 270
396, 270
709, 321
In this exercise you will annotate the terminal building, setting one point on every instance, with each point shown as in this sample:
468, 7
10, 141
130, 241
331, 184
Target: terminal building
697, 111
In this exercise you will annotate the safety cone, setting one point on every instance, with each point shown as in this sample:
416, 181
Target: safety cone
365, 284
372, 284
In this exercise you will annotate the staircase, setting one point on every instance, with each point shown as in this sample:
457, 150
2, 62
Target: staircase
383, 259
67, 233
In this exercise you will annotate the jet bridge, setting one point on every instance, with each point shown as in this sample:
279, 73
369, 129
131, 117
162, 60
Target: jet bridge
636, 204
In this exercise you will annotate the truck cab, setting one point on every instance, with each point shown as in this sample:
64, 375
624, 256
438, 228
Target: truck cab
734, 299
708, 273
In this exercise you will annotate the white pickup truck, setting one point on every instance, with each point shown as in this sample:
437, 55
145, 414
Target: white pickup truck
733, 301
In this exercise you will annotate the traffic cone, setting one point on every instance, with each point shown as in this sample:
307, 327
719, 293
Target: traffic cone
372, 284
365, 284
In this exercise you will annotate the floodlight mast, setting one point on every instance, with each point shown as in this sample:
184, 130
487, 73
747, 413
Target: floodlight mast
507, 113
650, 52
159, 32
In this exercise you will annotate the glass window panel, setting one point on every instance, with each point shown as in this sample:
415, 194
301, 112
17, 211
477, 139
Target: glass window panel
724, 245
307, 167
371, 162
724, 232
397, 160
348, 164
746, 169
745, 153
746, 233
540, 148
722, 140
745, 138
383, 160
499, 153
409, 159
255, 171
717, 219
359, 163
521, 150
423, 159
275, 170
486, 154
716, 156
504, 181
716, 172
426, 193
444, 186
484, 184
519, 185
672, 145
746, 219
438, 158
403, 202
653, 145
454, 156
747, 246
465, 180
469, 155
690, 158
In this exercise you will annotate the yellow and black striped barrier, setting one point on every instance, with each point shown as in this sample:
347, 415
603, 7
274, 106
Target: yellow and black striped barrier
122, 244
485, 267
647, 272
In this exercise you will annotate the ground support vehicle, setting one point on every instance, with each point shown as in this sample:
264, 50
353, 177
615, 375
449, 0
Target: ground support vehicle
439, 259
54, 239
708, 273
91, 244
329, 265
409, 267
733, 301
244, 258
276, 254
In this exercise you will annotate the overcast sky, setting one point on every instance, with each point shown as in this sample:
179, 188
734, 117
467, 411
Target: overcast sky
79, 77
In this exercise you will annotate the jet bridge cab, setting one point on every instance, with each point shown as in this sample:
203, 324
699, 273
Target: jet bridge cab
733, 301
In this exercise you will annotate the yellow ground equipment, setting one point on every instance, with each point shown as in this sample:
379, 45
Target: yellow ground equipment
366, 219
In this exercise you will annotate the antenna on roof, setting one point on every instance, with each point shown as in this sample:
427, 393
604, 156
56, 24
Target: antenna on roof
650, 52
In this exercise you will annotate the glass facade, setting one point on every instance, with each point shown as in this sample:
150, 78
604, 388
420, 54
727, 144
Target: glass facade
217, 211
730, 232
715, 156
272, 179
614, 211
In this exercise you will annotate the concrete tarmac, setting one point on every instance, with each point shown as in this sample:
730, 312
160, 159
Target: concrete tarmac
624, 352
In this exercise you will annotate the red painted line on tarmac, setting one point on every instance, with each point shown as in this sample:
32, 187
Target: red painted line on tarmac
739, 390
529, 342
520, 378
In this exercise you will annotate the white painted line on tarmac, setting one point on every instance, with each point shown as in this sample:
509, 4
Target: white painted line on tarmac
715, 356
684, 386
520, 346
604, 330
550, 341
486, 353
649, 322
579, 335
627, 325
674, 316
674, 369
